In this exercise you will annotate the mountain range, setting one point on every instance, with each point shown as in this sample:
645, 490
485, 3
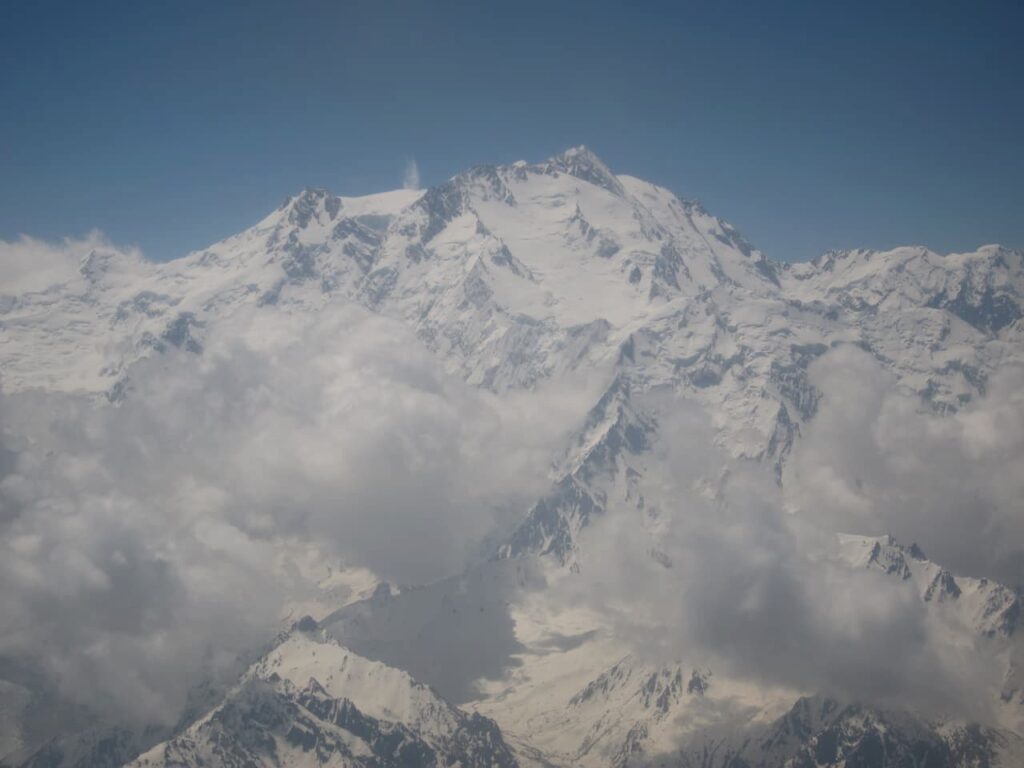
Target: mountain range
696, 367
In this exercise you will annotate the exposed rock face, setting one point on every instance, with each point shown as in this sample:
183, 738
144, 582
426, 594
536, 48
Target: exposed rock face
297, 707
824, 733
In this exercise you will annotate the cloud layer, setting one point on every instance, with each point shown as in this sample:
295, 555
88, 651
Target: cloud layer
723, 568
30, 264
148, 546
145, 546
875, 461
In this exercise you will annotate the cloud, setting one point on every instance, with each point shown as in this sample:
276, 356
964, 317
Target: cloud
145, 547
148, 546
875, 460
411, 178
740, 584
28, 264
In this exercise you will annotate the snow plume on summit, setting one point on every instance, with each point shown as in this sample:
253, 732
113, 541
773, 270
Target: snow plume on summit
411, 177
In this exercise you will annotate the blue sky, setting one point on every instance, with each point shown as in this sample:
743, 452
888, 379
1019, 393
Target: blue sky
809, 126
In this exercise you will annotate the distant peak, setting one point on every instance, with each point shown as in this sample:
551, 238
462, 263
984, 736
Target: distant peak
580, 150
104, 261
306, 196
303, 207
580, 162
580, 156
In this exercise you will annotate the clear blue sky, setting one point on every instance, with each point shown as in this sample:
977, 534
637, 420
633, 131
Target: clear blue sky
809, 126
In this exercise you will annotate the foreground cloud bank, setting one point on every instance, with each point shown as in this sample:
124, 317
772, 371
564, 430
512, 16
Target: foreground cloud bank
730, 569
874, 461
150, 543
146, 546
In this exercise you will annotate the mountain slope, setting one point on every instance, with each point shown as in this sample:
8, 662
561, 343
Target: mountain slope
311, 702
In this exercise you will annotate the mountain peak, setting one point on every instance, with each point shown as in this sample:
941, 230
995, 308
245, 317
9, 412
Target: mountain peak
308, 196
303, 207
582, 163
580, 150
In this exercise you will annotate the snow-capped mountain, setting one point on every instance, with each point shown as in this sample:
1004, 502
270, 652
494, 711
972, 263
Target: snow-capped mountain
312, 702
824, 733
586, 705
515, 273
516, 277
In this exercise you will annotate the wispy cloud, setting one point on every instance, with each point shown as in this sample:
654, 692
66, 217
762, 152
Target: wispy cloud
411, 179
30, 264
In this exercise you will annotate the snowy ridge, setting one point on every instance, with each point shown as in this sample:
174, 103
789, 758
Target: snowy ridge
636, 713
824, 733
515, 274
980, 605
985, 613
311, 702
